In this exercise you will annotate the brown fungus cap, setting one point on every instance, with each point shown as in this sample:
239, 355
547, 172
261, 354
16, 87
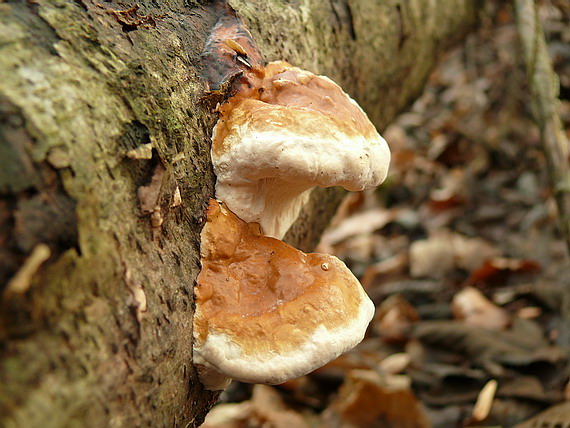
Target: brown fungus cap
285, 131
266, 312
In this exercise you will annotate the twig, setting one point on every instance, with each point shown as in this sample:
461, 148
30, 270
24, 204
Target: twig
22, 280
544, 87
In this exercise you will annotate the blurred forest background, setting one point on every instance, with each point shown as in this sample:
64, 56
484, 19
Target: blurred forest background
461, 253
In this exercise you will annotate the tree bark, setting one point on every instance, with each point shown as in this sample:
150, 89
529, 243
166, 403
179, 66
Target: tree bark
98, 99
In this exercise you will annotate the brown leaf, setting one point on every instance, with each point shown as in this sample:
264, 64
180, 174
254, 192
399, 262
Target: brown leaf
520, 346
228, 415
388, 269
451, 193
555, 416
473, 308
395, 363
266, 408
528, 388
394, 319
363, 223
497, 270
445, 251
367, 399
270, 409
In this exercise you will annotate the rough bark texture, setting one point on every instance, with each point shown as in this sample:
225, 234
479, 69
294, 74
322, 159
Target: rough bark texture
545, 88
100, 334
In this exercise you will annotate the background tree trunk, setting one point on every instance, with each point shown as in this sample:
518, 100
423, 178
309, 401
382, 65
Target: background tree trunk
95, 100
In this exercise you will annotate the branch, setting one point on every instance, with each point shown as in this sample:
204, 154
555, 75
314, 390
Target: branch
544, 87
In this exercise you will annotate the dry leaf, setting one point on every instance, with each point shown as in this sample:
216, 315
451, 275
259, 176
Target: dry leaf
452, 191
445, 251
497, 270
528, 388
520, 346
473, 308
266, 408
431, 258
484, 401
471, 253
394, 319
366, 400
358, 224
380, 272
395, 363
228, 415
555, 416
270, 410
529, 312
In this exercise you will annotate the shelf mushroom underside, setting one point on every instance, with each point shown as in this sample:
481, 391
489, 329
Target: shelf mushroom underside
267, 157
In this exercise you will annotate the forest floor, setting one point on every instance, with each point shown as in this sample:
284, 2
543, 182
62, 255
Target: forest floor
460, 251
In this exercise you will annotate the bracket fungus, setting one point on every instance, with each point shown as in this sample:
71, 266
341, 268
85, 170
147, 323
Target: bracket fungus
267, 312
284, 132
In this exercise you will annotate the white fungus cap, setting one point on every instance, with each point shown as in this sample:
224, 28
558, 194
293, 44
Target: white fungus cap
285, 134
266, 312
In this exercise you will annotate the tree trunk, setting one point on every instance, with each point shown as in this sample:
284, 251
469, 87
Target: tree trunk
96, 101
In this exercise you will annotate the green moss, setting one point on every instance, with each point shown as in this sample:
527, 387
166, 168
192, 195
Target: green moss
83, 88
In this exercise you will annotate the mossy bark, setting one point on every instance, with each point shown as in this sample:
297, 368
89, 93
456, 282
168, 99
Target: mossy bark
101, 332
